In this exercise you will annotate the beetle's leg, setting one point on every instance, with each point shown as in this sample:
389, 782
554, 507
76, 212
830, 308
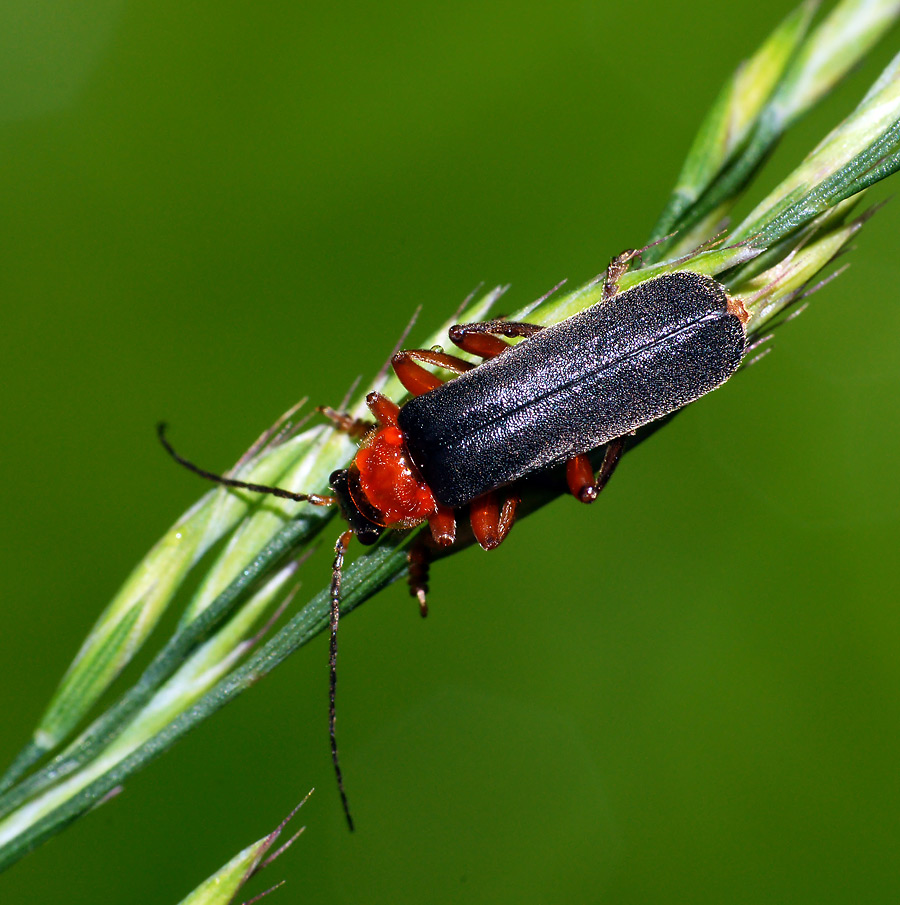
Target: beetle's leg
490, 523
618, 267
419, 380
384, 410
419, 564
442, 525
345, 422
483, 338
580, 473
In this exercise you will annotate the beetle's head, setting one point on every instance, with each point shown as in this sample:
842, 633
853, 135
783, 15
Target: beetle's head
360, 516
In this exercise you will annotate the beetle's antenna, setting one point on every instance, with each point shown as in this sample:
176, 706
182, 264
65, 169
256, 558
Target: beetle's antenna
314, 498
340, 548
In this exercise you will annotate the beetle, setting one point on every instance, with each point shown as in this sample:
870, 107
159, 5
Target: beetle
565, 390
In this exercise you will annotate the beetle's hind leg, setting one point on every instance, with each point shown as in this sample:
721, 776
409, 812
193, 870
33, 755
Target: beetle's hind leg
618, 267
583, 485
491, 522
483, 338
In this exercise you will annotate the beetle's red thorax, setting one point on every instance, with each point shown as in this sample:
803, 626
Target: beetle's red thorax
390, 481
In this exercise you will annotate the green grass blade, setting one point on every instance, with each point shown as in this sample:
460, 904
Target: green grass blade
223, 886
137, 607
769, 262
733, 115
823, 60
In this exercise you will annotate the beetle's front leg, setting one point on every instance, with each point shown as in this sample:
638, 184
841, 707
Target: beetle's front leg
345, 422
583, 485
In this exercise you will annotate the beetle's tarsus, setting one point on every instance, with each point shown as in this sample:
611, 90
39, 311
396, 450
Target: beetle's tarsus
345, 422
419, 562
618, 267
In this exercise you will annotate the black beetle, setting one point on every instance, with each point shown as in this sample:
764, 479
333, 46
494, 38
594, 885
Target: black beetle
562, 392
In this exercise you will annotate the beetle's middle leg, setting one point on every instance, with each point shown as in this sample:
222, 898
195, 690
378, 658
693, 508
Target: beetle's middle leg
580, 477
419, 558
483, 338
442, 525
419, 380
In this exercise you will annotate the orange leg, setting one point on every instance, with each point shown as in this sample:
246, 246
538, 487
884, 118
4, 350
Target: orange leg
443, 533
490, 523
481, 344
419, 380
443, 525
580, 473
383, 409
483, 339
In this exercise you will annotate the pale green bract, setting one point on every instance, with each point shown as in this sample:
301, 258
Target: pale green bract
224, 885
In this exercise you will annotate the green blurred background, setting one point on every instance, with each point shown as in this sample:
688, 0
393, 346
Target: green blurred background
687, 693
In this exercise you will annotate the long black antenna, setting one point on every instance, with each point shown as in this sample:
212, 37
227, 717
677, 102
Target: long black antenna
314, 498
340, 548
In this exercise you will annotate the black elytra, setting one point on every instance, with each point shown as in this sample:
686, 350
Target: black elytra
574, 386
